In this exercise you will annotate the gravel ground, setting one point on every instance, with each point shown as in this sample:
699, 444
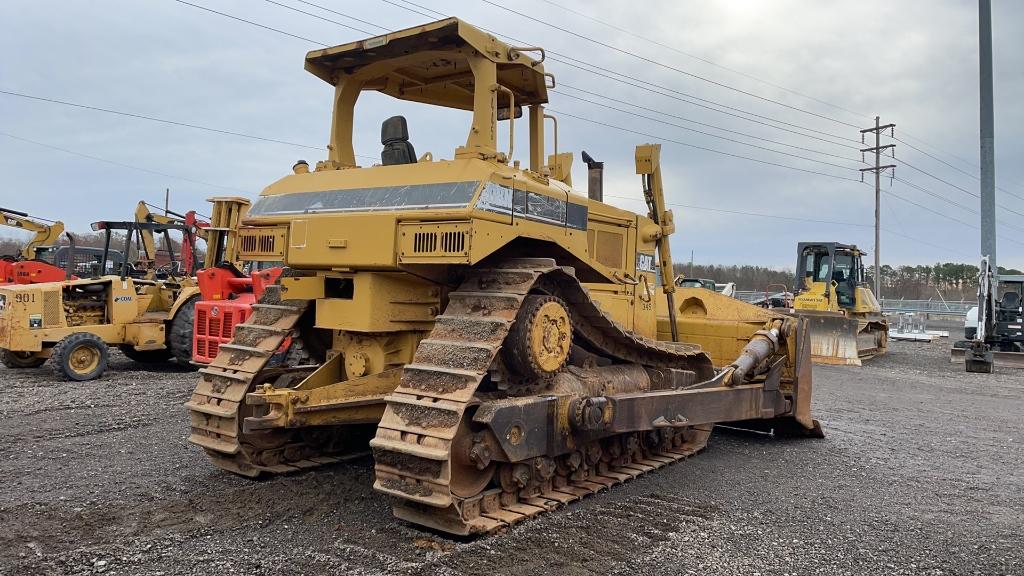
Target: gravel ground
922, 472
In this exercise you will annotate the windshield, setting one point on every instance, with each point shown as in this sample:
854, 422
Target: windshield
385, 198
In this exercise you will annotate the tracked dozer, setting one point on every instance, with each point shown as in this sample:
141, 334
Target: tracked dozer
501, 339
847, 325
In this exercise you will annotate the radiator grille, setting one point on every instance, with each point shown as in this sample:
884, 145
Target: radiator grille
261, 242
447, 242
452, 242
51, 309
424, 243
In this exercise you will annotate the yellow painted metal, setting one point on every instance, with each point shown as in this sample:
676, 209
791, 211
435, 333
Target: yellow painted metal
354, 401
721, 325
381, 302
378, 265
43, 233
550, 337
221, 236
842, 335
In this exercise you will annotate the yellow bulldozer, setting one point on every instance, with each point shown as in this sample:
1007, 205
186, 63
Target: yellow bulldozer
831, 292
500, 339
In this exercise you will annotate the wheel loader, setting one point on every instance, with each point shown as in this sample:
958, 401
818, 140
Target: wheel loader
500, 338
847, 325
73, 323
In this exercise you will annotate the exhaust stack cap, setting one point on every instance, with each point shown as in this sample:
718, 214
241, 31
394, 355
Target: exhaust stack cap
595, 177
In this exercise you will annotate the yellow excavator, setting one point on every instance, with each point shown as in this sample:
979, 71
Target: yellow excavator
500, 339
45, 233
831, 292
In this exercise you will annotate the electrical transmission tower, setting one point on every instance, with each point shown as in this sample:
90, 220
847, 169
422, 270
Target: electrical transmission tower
878, 168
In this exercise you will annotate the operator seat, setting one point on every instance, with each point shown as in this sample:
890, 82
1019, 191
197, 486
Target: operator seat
1011, 300
394, 135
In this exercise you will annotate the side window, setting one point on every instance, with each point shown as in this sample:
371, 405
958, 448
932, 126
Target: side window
822, 271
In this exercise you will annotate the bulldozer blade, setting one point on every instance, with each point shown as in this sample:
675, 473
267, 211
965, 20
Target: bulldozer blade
834, 340
1001, 359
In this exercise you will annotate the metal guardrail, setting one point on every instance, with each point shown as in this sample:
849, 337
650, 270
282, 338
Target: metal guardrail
954, 307
951, 307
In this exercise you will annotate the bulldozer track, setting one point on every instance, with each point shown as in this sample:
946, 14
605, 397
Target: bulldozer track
217, 406
423, 423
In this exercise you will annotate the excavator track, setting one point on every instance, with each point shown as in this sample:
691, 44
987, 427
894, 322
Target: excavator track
218, 409
428, 418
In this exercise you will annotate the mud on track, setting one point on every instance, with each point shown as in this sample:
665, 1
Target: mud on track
922, 473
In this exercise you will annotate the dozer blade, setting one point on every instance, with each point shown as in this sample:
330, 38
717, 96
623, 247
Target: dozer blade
1001, 359
834, 339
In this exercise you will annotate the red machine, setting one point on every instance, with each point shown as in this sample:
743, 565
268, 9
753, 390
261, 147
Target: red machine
226, 301
33, 272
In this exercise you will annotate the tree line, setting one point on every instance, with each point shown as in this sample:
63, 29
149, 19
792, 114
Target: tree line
948, 280
945, 280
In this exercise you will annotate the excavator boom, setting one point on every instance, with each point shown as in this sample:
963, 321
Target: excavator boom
45, 232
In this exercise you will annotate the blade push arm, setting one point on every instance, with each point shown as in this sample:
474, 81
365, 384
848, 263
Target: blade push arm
648, 166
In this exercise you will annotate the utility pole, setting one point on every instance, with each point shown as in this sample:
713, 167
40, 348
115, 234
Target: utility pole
988, 146
878, 169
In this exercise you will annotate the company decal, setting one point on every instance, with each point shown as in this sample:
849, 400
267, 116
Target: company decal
122, 298
644, 262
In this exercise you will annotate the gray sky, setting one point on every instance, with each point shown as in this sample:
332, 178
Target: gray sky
912, 62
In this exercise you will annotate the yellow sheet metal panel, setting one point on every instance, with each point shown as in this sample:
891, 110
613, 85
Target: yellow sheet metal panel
381, 302
303, 287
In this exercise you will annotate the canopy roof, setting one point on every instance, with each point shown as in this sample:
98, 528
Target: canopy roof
430, 64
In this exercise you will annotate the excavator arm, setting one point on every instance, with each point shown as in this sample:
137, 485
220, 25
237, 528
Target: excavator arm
45, 233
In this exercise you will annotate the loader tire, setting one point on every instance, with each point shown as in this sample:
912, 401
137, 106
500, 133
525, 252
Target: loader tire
181, 331
145, 356
21, 359
80, 356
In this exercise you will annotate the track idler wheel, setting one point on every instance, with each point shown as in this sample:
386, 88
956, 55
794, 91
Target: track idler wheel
538, 345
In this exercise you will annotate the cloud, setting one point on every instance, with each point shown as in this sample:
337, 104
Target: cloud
913, 62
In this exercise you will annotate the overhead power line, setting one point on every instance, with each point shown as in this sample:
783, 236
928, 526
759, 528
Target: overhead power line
954, 186
248, 22
155, 119
648, 86
165, 121
687, 144
666, 66
692, 121
797, 219
704, 60
683, 127
726, 138
705, 148
121, 164
958, 169
292, 8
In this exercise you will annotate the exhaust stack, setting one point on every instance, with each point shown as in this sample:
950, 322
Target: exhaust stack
595, 178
